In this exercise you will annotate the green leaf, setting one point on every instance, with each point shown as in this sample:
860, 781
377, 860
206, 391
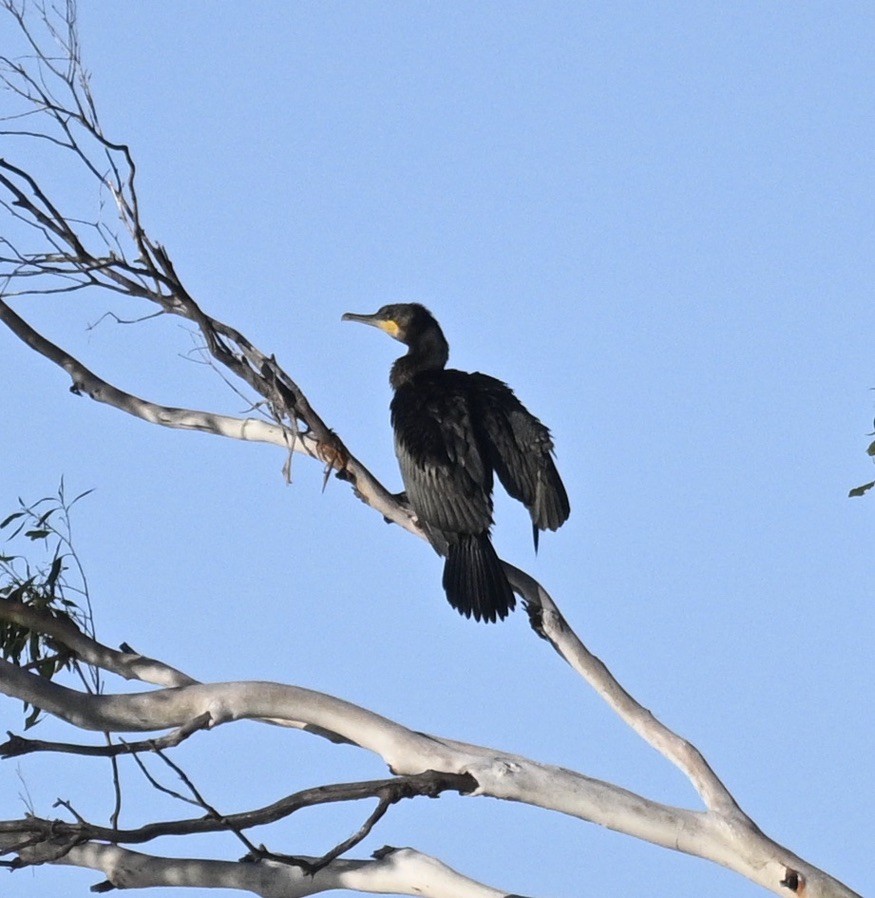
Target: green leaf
37, 534
18, 529
81, 496
861, 490
43, 518
13, 517
54, 572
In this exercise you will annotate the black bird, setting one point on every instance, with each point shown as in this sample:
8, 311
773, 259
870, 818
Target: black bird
452, 431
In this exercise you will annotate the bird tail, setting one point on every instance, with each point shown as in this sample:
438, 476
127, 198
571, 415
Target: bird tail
475, 581
550, 508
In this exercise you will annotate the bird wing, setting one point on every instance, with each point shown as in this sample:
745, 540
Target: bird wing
520, 450
447, 481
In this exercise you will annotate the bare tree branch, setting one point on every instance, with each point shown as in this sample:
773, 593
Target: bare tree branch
547, 620
730, 841
17, 746
128, 665
85, 382
395, 871
75, 254
429, 783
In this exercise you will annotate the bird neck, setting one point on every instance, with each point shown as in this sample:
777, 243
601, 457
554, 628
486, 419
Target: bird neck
430, 352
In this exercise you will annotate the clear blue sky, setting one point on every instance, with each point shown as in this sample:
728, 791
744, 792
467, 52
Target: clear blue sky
655, 221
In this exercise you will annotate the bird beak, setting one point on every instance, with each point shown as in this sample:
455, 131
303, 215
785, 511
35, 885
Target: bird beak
387, 325
362, 319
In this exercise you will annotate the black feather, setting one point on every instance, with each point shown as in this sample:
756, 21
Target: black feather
452, 431
474, 579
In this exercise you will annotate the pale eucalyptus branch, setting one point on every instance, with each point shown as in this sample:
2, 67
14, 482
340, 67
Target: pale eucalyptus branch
85, 382
128, 665
393, 871
548, 620
729, 840
60, 91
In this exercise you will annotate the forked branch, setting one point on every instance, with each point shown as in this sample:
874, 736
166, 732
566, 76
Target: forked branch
728, 839
72, 255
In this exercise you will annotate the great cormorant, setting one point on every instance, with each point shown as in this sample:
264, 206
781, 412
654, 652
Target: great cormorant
452, 431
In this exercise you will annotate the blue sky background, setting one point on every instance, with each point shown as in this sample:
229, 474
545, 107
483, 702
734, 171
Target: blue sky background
655, 221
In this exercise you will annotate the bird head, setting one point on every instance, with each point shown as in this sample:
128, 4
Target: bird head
404, 321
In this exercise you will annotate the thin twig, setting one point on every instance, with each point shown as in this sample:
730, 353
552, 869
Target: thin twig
199, 799
18, 745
